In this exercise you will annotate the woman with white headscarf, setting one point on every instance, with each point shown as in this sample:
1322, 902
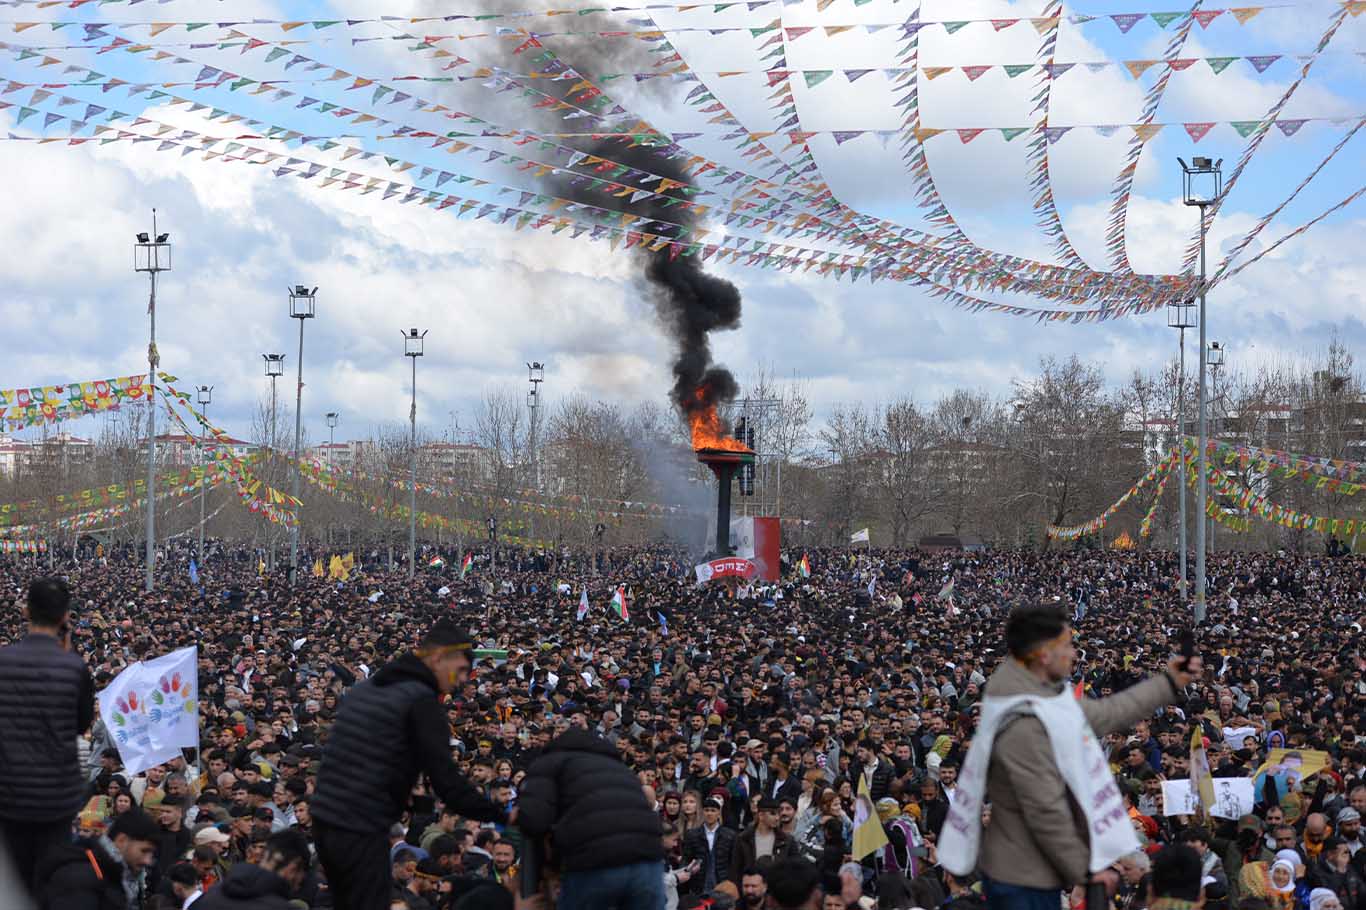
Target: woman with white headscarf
1324, 899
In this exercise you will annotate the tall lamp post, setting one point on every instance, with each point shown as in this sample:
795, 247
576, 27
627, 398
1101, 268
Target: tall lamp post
412, 347
332, 417
301, 305
1181, 316
204, 395
152, 254
275, 368
1201, 186
535, 375
1214, 359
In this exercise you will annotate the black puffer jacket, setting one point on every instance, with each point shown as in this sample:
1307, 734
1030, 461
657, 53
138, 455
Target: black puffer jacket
47, 699
247, 887
80, 876
591, 804
390, 728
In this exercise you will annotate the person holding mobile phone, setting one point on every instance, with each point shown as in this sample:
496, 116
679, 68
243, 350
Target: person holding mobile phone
47, 700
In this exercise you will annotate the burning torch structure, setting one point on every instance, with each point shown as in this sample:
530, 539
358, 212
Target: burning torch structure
724, 454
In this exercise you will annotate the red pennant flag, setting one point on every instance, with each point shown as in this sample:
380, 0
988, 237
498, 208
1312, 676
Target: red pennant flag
1197, 131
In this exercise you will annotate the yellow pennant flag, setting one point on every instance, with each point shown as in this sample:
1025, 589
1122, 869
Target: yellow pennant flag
868, 833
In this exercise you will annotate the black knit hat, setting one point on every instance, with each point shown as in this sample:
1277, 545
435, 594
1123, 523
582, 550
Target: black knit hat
446, 633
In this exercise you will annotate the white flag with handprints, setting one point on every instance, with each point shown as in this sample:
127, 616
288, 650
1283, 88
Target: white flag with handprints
859, 536
151, 709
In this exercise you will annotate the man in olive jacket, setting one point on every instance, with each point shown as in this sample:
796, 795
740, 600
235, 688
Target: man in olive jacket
1037, 843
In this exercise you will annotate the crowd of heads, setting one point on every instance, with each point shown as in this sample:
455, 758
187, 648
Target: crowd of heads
718, 696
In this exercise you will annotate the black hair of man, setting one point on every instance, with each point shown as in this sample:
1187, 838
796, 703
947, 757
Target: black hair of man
791, 882
1195, 835
1031, 624
446, 633
285, 847
135, 824
49, 599
183, 874
1176, 873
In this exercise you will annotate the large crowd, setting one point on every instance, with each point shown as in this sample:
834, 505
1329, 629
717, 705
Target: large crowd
751, 715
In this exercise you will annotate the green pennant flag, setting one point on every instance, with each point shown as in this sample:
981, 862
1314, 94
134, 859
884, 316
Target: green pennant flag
325, 107
239, 83
1165, 19
191, 26
952, 27
1015, 69
24, 114
276, 53
1219, 64
380, 92
1010, 132
1246, 128
324, 23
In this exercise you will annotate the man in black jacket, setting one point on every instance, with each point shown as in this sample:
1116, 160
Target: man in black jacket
47, 699
389, 729
100, 873
762, 839
605, 837
712, 844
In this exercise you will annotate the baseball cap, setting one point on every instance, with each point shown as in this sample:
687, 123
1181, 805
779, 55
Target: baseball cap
1349, 814
711, 803
211, 835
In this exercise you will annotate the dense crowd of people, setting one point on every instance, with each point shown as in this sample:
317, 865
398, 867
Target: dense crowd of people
748, 717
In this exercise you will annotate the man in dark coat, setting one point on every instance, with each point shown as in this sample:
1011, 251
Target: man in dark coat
606, 838
267, 885
100, 873
763, 838
712, 844
389, 729
47, 699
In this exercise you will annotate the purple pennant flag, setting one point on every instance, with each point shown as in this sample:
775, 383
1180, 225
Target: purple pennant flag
1261, 62
1057, 69
1126, 21
855, 75
1054, 133
206, 74
843, 136
1290, 127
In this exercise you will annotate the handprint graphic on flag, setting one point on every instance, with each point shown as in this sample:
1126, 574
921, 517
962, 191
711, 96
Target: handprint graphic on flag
131, 724
172, 701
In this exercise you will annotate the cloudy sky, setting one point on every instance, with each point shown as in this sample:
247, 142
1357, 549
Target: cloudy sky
494, 298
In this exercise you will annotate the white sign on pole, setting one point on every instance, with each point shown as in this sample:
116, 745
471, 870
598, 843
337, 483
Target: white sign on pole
1178, 798
152, 709
1233, 797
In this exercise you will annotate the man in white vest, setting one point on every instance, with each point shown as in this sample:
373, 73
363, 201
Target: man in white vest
1057, 817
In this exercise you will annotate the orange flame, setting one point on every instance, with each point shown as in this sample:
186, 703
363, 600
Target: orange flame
705, 425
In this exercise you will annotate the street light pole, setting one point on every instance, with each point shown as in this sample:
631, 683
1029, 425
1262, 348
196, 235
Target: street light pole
1215, 360
275, 368
536, 376
412, 347
301, 307
331, 441
152, 254
205, 396
1201, 168
1180, 317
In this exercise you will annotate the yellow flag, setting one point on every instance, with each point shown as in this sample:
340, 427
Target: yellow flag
868, 833
348, 562
318, 568
335, 570
1202, 782
261, 567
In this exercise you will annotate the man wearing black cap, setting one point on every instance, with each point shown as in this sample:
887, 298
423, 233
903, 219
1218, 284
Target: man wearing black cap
761, 839
389, 729
712, 844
